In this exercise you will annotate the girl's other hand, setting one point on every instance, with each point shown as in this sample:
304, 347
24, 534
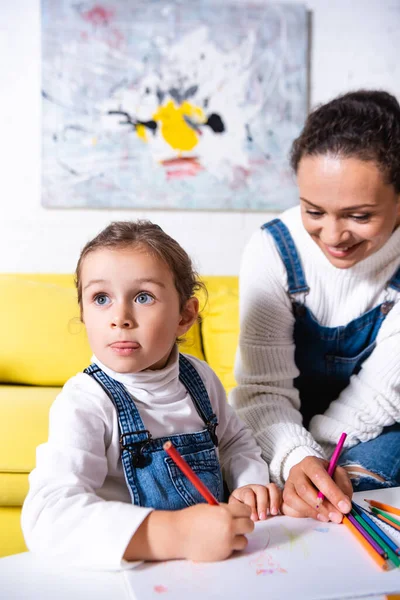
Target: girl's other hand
263, 500
309, 477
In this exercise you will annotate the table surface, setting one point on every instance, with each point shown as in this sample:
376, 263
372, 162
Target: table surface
28, 577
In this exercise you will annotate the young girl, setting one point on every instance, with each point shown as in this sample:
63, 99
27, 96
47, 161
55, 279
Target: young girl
320, 311
104, 492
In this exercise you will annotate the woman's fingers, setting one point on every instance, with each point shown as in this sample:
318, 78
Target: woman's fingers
305, 480
295, 505
343, 481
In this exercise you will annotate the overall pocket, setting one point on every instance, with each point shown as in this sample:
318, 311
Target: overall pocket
346, 366
206, 466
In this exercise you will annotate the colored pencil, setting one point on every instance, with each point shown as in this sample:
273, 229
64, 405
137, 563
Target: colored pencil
373, 554
377, 538
332, 465
376, 528
387, 518
382, 506
190, 474
366, 534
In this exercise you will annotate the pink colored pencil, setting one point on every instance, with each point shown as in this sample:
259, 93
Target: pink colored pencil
190, 474
332, 464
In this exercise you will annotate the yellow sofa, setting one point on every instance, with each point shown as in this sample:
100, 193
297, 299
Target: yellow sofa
43, 343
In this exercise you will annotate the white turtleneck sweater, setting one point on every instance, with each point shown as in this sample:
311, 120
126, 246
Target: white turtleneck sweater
265, 397
78, 506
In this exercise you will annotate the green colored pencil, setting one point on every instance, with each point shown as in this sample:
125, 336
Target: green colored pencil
393, 557
386, 515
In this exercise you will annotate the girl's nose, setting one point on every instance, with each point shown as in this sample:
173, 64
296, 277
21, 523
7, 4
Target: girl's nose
122, 323
123, 320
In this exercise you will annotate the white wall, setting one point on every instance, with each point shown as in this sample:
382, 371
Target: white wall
354, 43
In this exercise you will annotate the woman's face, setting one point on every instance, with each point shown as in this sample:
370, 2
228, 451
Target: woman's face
346, 206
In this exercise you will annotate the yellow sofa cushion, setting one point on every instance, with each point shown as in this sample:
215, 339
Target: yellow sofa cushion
23, 426
46, 342
11, 538
220, 327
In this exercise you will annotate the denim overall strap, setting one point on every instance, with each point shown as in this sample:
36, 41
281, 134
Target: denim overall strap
132, 442
151, 478
394, 281
289, 255
192, 381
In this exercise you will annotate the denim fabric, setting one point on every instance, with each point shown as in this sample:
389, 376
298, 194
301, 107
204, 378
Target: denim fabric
152, 477
380, 455
327, 356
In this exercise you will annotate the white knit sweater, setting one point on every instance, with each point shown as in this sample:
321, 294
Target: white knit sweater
265, 397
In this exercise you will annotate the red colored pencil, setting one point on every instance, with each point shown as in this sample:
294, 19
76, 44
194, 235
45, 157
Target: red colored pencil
190, 474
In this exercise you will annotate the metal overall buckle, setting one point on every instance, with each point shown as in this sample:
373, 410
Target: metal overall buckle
136, 449
211, 430
299, 305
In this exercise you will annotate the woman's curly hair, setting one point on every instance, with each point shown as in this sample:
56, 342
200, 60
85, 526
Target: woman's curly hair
364, 124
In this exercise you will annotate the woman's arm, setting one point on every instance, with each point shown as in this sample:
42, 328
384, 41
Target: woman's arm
371, 401
265, 397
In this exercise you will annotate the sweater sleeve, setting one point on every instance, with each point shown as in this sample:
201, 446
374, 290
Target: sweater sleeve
63, 514
265, 397
371, 401
239, 454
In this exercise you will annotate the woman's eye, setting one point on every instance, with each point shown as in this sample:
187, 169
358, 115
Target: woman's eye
144, 298
360, 218
101, 299
314, 213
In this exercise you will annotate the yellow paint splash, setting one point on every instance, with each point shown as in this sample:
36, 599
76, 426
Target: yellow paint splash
174, 129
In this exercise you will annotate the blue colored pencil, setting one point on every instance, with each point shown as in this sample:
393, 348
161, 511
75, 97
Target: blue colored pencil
361, 511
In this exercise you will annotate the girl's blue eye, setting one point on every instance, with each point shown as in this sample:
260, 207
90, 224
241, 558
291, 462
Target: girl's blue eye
144, 298
101, 299
314, 213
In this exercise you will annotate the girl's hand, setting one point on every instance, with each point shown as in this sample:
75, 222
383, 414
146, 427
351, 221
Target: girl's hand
263, 500
301, 490
211, 533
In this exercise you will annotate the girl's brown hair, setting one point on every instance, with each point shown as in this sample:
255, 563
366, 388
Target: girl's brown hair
145, 234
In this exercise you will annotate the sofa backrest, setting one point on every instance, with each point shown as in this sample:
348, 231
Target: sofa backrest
45, 343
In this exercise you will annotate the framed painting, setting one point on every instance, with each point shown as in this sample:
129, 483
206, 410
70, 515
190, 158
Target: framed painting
171, 105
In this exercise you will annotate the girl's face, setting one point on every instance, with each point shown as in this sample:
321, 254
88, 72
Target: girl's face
346, 206
130, 308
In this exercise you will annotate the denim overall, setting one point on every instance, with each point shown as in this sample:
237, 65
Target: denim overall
152, 477
327, 357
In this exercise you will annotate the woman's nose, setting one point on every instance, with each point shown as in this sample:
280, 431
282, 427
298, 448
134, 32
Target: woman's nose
334, 233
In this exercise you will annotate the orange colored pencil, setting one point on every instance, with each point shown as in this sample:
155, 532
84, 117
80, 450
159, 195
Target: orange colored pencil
190, 474
388, 521
387, 507
371, 551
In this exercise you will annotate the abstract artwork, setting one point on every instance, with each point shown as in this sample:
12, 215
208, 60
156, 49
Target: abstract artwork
171, 104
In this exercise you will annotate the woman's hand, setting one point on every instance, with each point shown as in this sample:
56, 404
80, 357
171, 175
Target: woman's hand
262, 499
301, 490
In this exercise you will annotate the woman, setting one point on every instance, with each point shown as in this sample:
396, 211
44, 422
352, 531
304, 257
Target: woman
319, 349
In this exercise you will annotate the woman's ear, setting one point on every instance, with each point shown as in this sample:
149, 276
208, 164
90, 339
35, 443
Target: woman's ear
189, 314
